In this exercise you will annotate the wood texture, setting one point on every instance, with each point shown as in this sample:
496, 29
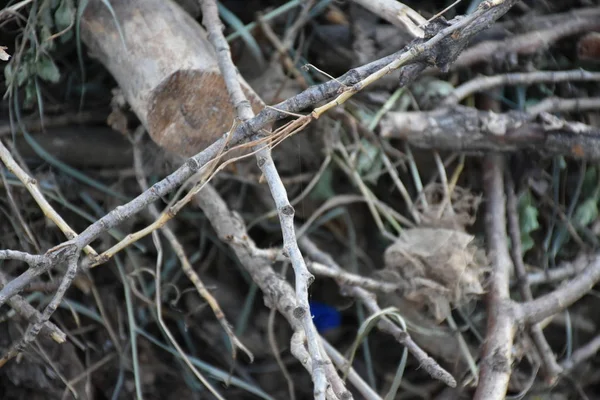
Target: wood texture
167, 70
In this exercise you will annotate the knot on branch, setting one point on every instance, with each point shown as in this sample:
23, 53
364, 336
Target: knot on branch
299, 312
287, 210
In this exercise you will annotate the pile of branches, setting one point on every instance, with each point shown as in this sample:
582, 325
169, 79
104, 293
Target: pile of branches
195, 199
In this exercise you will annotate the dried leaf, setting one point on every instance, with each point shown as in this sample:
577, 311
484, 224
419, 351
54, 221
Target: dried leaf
4, 56
443, 267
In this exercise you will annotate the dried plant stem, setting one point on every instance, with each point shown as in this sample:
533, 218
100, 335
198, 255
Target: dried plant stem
551, 367
497, 353
285, 210
186, 266
34, 190
483, 83
368, 299
27, 311
449, 42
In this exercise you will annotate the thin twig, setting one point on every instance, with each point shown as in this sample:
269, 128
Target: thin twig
34, 329
483, 83
537, 310
34, 190
551, 367
27, 311
286, 212
186, 265
368, 299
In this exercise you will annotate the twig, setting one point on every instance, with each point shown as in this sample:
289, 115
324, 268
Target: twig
278, 292
353, 376
585, 352
537, 310
483, 83
186, 265
527, 43
551, 368
497, 355
565, 105
27, 311
368, 299
34, 329
34, 190
285, 210
560, 273
347, 278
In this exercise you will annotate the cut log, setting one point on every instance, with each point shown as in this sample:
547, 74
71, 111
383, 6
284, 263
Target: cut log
167, 69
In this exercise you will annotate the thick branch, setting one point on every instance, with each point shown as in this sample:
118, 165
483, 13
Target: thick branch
467, 129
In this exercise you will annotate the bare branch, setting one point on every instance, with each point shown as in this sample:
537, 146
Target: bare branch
483, 83
397, 14
583, 353
497, 352
527, 43
368, 299
470, 130
285, 210
543, 307
551, 368
27, 311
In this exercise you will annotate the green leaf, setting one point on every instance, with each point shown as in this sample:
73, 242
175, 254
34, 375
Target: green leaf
64, 15
22, 74
528, 221
561, 162
47, 45
586, 212
323, 189
368, 161
47, 70
30, 94
8, 74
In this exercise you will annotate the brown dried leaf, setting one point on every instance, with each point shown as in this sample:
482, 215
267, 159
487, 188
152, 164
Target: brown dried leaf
442, 266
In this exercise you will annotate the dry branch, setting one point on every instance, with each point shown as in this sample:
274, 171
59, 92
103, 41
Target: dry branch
164, 60
441, 46
497, 356
526, 43
320, 360
397, 14
470, 130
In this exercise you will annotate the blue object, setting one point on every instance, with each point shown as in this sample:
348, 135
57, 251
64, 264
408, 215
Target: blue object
325, 317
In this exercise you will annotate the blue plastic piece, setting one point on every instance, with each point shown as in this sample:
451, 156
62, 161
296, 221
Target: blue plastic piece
325, 317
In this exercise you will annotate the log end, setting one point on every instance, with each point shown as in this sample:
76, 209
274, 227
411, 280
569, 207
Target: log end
190, 109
